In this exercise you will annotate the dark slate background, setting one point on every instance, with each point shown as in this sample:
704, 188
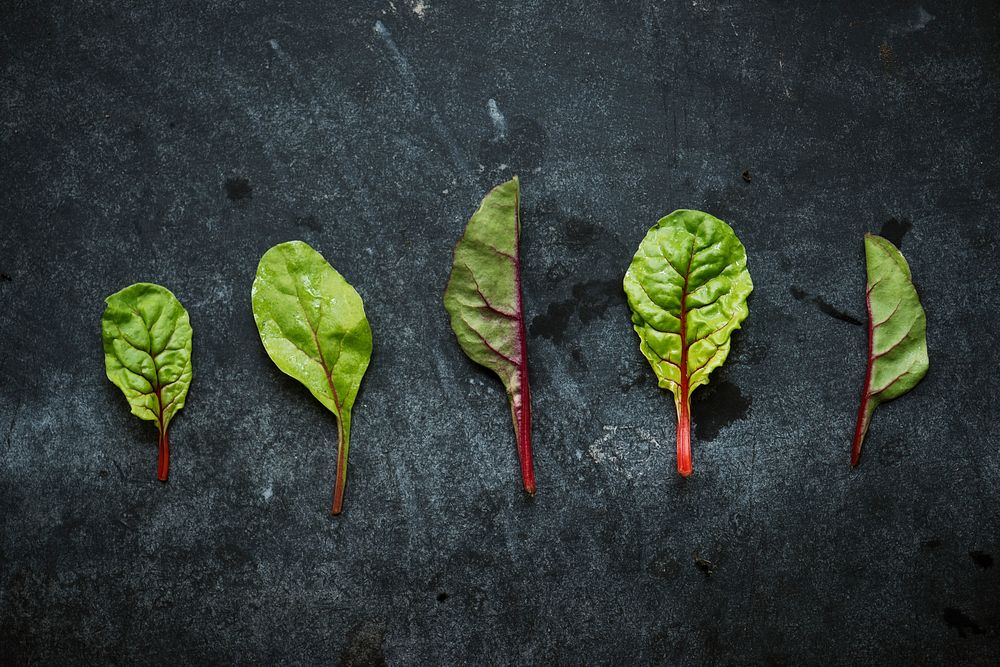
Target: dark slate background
176, 144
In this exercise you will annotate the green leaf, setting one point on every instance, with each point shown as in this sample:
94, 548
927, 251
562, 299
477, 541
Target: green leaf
897, 334
687, 287
313, 326
483, 300
147, 354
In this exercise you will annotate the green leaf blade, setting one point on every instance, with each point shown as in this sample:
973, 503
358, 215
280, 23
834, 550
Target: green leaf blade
147, 340
687, 287
313, 326
897, 333
484, 303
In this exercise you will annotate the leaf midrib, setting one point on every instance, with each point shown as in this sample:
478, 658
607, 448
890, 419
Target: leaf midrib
321, 358
158, 386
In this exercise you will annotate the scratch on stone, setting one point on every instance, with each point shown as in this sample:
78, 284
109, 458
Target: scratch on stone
13, 421
597, 452
410, 80
402, 64
348, 171
499, 122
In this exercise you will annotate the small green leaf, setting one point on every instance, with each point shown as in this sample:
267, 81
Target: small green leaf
312, 324
483, 300
147, 354
897, 334
687, 287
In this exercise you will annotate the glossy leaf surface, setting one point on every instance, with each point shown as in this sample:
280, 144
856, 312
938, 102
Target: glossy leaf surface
312, 324
483, 300
147, 354
687, 287
897, 334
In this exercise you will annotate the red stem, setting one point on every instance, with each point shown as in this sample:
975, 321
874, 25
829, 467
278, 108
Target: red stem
163, 462
522, 426
684, 466
338, 489
524, 438
866, 408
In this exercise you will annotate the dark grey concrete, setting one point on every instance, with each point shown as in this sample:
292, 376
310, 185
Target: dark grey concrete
177, 144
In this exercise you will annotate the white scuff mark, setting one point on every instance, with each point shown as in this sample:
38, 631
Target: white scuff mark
781, 71
402, 65
410, 80
268, 492
274, 44
420, 8
923, 18
499, 122
913, 21
628, 453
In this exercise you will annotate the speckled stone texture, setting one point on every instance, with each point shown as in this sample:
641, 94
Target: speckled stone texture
176, 143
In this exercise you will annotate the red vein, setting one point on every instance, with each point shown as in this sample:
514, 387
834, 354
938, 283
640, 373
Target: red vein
489, 345
892, 381
864, 412
896, 344
663, 359
494, 249
486, 301
889, 316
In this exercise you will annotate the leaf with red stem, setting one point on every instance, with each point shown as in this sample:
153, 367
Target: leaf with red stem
897, 334
147, 354
313, 326
483, 300
687, 287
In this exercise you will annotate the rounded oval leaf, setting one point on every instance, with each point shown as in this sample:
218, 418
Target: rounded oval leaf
687, 287
147, 354
312, 324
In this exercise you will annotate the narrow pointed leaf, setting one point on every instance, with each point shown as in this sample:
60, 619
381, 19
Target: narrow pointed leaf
312, 324
687, 287
147, 354
897, 334
483, 300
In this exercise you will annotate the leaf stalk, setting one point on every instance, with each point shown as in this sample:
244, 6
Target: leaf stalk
684, 466
338, 489
163, 461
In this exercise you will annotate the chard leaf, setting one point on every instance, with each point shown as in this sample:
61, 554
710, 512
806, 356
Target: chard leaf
483, 300
687, 287
312, 324
897, 334
147, 354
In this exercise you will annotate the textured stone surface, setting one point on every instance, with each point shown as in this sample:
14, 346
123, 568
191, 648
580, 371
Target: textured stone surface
177, 144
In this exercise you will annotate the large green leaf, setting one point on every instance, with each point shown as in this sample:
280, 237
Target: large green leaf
687, 287
147, 354
483, 300
313, 326
897, 334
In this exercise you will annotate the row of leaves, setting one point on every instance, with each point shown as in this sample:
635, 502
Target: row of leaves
687, 288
